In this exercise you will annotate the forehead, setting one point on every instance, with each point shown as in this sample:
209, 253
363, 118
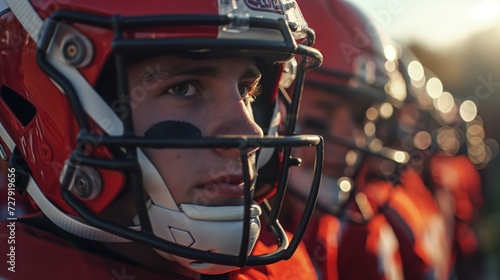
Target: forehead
171, 65
175, 60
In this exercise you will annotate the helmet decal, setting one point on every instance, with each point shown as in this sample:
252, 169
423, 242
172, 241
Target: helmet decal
273, 6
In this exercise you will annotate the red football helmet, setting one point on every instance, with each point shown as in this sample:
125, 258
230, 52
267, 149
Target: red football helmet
359, 59
66, 124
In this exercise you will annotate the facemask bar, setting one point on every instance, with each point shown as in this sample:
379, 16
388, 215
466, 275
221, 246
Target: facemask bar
130, 143
291, 120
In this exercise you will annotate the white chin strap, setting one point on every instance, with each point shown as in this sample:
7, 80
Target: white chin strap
217, 229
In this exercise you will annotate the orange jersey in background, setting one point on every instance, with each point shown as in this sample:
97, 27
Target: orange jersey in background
417, 221
460, 182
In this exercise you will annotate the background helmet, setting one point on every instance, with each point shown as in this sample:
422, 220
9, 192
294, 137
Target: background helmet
361, 65
69, 135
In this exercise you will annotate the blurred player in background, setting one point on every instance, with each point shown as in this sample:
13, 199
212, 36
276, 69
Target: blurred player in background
375, 218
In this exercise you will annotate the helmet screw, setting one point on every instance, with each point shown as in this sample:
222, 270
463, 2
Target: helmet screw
75, 51
46, 152
87, 183
75, 47
71, 50
81, 187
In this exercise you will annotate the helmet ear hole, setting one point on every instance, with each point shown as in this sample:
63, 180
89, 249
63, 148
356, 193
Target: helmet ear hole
22, 108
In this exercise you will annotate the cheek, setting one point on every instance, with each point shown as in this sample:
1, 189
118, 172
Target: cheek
175, 168
143, 119
151, 110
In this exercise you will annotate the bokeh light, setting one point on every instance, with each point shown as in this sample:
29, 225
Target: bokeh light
400, 156
448, 140
386, 110
445, 102
468, 110
376, 145
416, 70
390, 66
434, 87
370, 129
397, 88
351, 158
390, 52
422, 140
372, 114
345, 184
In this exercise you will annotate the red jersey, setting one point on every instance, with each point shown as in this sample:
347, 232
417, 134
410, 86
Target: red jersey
32, 253
38, 254
299, 266
346, 250
458, 175
341, 249
421, 228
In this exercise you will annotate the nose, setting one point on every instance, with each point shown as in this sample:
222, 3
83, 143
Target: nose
235, 118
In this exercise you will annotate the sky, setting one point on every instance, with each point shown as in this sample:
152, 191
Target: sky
436, 23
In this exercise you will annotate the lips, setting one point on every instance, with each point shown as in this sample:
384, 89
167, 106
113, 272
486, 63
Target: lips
226, 186
225, 189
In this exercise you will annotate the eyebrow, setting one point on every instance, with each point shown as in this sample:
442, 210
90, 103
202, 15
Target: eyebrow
206, 71
252, 73
164, 74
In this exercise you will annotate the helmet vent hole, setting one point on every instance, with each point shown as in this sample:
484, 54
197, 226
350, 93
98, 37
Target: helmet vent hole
22, 108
